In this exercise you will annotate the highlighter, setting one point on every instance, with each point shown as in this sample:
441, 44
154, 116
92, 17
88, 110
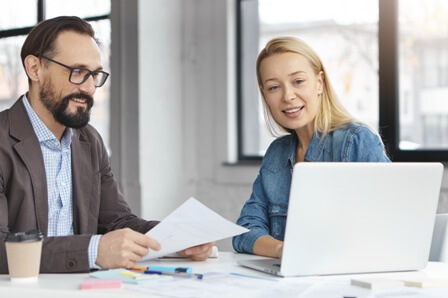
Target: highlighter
171, 269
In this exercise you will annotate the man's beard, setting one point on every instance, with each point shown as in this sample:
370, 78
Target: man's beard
58, 107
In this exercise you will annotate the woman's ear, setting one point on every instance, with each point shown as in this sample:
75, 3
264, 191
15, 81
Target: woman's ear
320, 82
32, 67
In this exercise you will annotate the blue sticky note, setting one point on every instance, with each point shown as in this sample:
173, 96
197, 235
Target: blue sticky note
117, 273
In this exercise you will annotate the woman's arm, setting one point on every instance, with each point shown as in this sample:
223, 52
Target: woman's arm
268, 246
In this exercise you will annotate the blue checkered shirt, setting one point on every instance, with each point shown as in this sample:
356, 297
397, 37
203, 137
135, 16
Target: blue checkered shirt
58, 169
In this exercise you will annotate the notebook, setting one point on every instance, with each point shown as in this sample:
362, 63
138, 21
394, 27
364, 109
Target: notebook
357, 218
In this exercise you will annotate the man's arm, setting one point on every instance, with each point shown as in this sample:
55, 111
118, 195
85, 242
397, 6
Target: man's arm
123, 243
59, 254
106, 208
3, 226
65, 254
123, 248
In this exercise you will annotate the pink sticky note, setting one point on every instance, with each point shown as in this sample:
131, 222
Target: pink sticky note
101, 283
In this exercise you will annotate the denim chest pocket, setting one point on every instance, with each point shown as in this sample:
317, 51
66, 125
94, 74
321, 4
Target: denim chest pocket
277, 220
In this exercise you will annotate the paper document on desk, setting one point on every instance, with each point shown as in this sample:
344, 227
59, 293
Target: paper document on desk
224, 284
189, 225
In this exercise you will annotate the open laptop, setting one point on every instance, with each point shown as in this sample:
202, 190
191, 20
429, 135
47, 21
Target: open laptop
357, 218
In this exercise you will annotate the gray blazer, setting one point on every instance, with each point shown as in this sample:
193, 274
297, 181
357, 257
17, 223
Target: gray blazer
98, 206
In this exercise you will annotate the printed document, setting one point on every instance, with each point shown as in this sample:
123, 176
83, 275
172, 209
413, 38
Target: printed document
189, 225
222, 284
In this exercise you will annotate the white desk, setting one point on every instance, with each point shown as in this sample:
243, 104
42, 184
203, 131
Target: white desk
67, 285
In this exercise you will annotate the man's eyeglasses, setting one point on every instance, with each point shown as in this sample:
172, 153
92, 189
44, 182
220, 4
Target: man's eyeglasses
80, 75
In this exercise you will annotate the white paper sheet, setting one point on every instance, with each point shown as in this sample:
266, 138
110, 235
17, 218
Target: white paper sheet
189, 225
222, 284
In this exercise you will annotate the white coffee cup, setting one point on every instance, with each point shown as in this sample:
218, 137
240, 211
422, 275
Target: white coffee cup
23, 252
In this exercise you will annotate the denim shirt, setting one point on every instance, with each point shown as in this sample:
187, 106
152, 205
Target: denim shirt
265, 211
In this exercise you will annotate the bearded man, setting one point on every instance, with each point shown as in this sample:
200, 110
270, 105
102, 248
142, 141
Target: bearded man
55, 174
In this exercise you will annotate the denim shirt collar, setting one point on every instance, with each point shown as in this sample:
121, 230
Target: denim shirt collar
315, 148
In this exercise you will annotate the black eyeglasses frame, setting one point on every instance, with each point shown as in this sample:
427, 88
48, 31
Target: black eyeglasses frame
89, 73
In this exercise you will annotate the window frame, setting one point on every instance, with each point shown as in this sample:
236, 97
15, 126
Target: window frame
41, 4
124, 119
389, 124
239, 87
389, 88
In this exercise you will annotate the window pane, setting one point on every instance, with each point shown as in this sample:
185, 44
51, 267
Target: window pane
101, 108
423, 74
345, 39
13, 15
80, 8
13, 81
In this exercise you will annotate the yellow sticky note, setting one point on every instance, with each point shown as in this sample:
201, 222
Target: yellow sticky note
130, 274
139, 276
425, 282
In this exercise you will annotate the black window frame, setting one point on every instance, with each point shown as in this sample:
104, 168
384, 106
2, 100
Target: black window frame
41, 4
389, 126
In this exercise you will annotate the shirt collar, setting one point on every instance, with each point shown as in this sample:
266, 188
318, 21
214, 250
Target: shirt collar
315, 148
43, 134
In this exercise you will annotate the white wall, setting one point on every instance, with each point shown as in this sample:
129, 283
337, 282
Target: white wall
161, 111
185, 87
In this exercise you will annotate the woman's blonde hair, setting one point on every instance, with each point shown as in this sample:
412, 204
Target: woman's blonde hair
331, 114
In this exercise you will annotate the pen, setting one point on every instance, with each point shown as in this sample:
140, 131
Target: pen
161, 268
138, 268
170, 269
178, 274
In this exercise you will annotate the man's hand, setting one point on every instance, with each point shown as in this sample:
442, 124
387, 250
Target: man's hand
123, 248
198, 253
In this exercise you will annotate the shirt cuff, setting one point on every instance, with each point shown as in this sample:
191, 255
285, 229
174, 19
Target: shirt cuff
245, 242
93, 251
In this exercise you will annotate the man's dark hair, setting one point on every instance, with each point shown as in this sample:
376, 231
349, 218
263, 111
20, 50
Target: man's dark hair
41, 39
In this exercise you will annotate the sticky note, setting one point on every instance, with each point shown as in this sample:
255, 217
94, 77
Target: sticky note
377, 283
127, 276
103, 283
425, 282
130, 273
139, 276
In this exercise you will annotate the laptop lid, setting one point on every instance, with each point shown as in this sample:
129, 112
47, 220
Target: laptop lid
359, 217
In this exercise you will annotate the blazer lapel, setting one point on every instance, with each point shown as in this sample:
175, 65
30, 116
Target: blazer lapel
82, 183
28, 148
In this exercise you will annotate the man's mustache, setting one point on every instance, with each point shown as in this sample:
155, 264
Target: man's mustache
87, 98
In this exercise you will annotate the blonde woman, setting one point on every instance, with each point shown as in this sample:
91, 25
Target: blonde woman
298, 100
